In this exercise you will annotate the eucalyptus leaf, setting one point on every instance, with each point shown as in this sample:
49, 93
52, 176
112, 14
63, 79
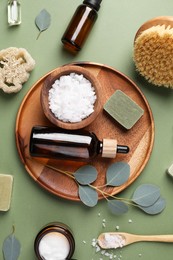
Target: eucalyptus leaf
117, 207
146, 195
117, 174
86, 174
156, 208
88, 195
11, 248
43, 21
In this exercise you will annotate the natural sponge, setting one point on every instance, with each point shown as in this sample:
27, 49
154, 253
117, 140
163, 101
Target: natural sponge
15, 67
153, 55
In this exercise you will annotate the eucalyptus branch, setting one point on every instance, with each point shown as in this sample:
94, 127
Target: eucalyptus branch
104, 194
146, 197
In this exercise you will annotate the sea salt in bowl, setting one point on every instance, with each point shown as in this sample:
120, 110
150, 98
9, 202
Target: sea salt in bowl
70, 97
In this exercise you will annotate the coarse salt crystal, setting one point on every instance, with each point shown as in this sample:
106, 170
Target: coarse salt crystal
72, 98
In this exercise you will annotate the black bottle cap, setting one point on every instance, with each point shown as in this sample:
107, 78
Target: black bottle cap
122, 149
94, 3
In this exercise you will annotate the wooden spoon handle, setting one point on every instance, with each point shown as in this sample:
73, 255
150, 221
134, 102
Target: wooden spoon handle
155, 238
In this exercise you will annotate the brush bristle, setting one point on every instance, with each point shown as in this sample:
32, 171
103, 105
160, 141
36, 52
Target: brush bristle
153, 55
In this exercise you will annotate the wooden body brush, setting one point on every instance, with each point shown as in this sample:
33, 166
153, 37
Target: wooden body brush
153, 51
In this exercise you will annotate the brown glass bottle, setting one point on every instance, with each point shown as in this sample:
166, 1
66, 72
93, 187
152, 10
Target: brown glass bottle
57, 143
80, 25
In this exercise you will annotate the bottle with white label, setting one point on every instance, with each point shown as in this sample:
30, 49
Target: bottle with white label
79, 145
14, 12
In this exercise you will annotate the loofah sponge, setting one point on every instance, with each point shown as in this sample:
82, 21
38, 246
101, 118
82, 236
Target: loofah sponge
15, 66
153, 55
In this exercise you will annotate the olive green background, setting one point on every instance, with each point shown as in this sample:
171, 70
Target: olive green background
111, 43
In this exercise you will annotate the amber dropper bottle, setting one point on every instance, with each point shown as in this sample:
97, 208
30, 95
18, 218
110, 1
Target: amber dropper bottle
80, 25
80, 145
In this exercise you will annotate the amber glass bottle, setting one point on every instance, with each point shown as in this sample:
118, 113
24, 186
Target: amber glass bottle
80, 25
50, 142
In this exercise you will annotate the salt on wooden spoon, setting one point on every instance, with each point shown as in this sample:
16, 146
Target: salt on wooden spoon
114, 240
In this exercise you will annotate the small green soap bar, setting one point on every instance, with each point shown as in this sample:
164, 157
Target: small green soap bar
6, 184
170, 170
123, 109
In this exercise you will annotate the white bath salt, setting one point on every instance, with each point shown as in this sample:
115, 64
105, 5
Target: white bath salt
103, 252
117, 227
130, 221
54, 246
113, 240
104, 223
72, 98
109, 255
94, 242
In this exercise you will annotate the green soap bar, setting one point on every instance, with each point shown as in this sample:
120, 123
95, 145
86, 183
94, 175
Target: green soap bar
6, 184
170, 170
123, 109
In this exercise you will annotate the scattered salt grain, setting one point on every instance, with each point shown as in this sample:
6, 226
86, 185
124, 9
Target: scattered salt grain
130, 221
103, 252
94, 242
72, 98
104, 223
108, 254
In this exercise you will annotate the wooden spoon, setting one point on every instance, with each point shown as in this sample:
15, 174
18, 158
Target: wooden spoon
120, 239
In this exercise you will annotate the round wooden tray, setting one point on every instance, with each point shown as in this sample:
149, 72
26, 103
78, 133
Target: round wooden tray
139, 138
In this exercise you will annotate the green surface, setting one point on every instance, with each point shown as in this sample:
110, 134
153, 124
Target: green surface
111, 43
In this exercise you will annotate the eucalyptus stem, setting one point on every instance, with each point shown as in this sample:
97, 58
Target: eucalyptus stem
105, 195
38, 35
69, 174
